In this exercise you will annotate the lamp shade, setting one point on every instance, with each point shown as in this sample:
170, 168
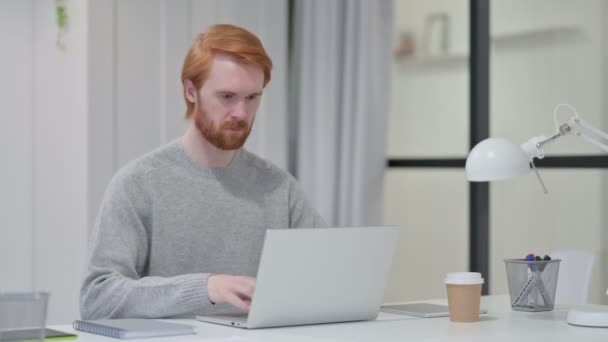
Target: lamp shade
496, 159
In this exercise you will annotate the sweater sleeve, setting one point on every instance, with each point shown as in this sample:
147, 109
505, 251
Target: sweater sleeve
115, 284
301, 213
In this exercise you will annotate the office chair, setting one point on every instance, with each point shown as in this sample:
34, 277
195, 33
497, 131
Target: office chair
574, 276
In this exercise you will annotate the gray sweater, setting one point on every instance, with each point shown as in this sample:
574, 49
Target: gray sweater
166, 224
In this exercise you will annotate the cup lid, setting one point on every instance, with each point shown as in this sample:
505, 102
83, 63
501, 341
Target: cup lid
463, 278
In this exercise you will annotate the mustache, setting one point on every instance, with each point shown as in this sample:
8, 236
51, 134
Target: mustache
235, 124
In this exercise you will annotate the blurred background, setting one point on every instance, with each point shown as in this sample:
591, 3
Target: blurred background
369, 107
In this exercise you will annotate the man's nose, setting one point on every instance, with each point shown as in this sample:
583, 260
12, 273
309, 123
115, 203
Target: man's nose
239, 112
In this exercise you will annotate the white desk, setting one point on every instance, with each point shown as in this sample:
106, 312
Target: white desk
500, 324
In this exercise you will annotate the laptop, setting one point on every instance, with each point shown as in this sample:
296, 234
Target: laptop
321, 275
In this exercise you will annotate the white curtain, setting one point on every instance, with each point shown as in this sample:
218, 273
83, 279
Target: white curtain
340, 91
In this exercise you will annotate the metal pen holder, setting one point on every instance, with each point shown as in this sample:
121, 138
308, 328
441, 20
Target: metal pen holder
532, 284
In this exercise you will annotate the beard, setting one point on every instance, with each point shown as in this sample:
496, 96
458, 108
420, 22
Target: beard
230, 135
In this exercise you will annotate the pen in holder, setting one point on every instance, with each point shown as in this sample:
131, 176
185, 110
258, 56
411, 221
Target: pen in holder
532, 283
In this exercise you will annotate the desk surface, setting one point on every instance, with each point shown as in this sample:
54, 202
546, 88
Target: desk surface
500, 324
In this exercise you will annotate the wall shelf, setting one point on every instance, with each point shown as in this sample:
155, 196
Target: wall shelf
432, 61
536, 33
559, 32
460, 58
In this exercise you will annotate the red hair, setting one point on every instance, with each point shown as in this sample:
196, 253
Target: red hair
232, 40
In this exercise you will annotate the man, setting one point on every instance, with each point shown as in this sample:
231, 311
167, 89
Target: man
181, 228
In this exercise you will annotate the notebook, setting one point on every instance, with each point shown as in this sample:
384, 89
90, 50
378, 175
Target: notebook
133, 328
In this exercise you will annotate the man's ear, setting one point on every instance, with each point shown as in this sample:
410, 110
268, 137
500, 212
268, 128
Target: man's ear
191, 91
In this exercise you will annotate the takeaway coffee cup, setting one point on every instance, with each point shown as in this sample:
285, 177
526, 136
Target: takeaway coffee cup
464, 295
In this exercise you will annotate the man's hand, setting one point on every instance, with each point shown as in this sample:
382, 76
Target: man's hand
234, 290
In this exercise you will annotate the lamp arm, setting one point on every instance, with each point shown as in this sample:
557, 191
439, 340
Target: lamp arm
584, 124
534, 147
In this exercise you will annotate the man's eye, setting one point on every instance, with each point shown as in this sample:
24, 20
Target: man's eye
227, 96
251, 97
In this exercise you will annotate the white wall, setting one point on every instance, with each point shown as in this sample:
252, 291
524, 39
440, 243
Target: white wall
544, 52
137, 48
70, 119
16, 144
431, 207
537, 64
60, 155
429, 118
604, 231
430, 100
44, 130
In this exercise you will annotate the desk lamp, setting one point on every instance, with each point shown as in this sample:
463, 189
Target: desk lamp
496, 159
